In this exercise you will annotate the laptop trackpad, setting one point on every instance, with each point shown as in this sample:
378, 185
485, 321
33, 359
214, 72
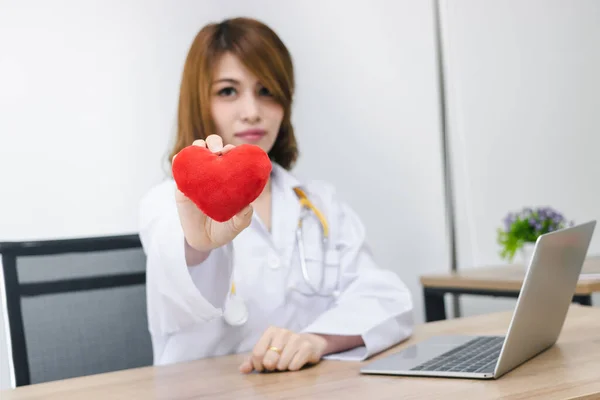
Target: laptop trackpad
419, 353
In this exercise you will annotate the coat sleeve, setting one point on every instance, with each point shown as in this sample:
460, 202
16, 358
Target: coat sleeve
178, 296
373, 302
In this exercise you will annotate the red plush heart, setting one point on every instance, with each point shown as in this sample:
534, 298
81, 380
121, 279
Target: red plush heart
221, 185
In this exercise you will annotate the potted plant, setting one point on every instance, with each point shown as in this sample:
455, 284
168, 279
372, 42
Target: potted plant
521, 230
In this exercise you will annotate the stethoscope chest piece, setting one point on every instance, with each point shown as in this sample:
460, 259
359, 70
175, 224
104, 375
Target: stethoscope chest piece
236, 312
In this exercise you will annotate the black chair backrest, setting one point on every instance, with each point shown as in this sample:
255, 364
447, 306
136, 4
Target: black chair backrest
76, 307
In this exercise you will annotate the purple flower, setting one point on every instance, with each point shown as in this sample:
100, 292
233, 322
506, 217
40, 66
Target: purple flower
538, 226
508, 220
532, 221
542, 213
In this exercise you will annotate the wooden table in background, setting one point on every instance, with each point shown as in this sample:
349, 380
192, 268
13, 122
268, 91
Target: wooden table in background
568, 370
501, 281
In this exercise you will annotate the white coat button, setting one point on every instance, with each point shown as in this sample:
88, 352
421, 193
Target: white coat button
273, 261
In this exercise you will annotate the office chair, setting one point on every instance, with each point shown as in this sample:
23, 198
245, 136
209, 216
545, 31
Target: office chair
76, 307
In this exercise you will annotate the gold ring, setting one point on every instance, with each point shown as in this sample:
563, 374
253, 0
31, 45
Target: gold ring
275, 349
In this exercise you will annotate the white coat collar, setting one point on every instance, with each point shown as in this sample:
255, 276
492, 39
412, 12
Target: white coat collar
283, 178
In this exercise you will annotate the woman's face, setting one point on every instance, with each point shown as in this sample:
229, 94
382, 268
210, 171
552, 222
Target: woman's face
243, 110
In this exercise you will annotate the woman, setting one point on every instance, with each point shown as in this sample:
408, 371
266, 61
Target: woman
238, 286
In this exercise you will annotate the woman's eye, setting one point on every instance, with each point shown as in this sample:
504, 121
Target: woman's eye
226, 92
264, 92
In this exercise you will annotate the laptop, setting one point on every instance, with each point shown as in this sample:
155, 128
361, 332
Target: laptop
537, 320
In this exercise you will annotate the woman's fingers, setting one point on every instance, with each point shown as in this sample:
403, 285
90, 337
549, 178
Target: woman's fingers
227, 148
214, 143
281, 349
199, 142
289, 351
260, 348
242, 220
278, 343
301, 357
246, 366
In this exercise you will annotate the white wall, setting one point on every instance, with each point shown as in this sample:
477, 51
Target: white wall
525, 128
367, 119
89, 96
87, 100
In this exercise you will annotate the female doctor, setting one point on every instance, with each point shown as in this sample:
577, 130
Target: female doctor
290, 279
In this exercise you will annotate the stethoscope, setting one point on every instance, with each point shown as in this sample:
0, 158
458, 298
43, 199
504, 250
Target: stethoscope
236, 311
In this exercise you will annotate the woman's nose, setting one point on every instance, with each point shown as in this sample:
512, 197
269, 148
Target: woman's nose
250, 108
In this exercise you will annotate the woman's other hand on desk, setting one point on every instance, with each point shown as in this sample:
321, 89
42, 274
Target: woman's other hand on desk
202, 233
283, 350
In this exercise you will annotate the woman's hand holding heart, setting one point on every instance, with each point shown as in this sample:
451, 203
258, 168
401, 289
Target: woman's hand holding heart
213, 195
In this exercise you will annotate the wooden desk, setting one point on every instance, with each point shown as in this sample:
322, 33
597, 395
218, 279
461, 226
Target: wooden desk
568, 370
500, 281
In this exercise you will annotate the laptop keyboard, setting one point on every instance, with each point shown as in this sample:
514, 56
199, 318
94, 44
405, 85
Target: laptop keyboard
477, 355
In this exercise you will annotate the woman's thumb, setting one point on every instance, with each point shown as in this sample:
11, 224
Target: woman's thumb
242, 220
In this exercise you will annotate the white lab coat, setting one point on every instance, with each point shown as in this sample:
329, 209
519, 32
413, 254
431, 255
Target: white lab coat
185, 303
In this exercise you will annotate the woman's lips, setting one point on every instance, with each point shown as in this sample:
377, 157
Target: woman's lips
251, 134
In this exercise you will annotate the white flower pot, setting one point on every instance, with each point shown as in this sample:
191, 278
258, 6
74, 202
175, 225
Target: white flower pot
527, 253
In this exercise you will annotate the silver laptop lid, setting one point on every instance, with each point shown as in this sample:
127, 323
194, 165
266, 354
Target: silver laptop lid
546, 294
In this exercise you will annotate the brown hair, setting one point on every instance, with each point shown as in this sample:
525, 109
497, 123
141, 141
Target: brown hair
263, 53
